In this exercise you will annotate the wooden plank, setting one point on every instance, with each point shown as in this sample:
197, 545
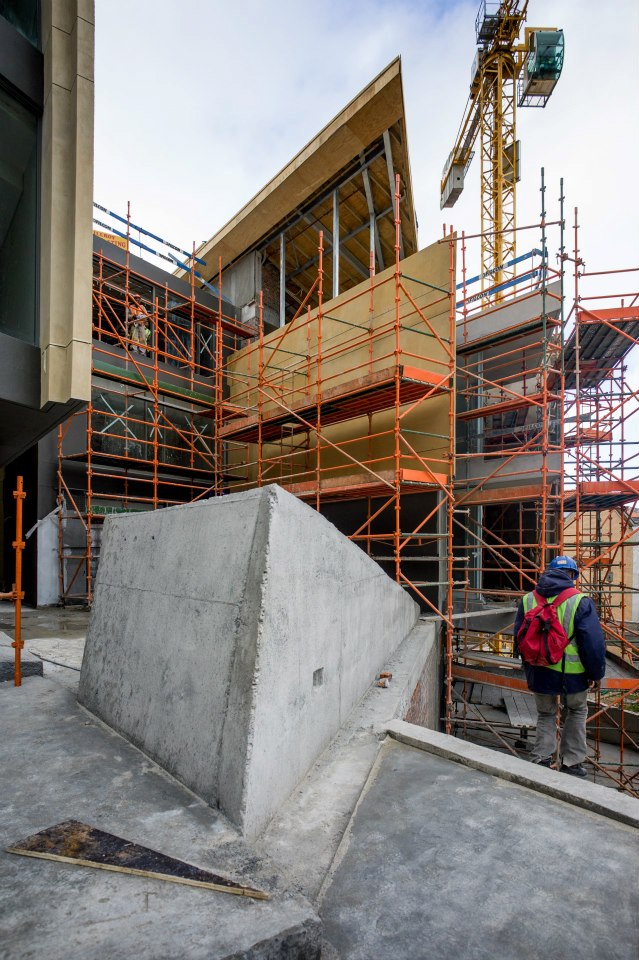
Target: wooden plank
520, 709
353, 398
498, 659
85, 846
503, 679
505, 406
502, 494
484, 676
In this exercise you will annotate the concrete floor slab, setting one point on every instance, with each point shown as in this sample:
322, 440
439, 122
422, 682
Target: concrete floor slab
581, 793
60, 763
46, 621
445, 861
31, 666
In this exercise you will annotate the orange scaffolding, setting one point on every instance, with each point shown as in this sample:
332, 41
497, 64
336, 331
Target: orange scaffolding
330, 405
16, 594
147, 438
461, 445
547, 463
600, 502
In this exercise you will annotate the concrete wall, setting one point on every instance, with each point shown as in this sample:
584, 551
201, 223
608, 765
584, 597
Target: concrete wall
48, 578
424, 708
242, 281
209, 626
357, 340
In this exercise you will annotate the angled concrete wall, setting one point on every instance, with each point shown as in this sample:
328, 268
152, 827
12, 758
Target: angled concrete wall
230, 639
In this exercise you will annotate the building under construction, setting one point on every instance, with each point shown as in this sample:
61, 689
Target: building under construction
372, 447
460, 433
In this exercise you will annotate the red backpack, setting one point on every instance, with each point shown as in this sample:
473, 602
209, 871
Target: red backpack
542, 639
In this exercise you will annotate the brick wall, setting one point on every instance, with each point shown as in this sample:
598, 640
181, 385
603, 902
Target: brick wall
271, 286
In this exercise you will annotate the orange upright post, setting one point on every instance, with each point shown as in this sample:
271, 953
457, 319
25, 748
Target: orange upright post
18, 595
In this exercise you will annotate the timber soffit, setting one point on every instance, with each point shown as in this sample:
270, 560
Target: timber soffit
375, 110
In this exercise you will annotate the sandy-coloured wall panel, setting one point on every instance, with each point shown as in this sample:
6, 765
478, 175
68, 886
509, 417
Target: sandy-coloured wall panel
352, 338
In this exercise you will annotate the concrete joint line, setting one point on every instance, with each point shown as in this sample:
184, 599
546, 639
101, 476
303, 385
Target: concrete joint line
589, 796
175, 596
345, 842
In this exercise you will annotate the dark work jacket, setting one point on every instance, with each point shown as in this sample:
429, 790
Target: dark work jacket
588, 637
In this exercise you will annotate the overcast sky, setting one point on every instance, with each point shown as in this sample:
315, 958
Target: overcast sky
200, 102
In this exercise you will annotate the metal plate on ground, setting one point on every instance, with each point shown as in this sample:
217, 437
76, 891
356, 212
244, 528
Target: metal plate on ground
78, 843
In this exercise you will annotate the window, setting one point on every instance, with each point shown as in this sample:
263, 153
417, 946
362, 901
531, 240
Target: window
18, 220
24, 15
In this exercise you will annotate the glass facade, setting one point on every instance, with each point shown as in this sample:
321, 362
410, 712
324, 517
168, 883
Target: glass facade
18, 220
24, 15
124, 426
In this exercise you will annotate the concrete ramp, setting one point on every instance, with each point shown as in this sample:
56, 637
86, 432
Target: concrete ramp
231, 638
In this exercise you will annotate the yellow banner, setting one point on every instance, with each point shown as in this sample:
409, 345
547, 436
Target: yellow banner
117, 241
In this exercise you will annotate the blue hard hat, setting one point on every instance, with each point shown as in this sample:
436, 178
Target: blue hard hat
564, 563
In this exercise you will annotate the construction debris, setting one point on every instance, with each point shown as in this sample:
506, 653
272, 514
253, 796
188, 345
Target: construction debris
85, 846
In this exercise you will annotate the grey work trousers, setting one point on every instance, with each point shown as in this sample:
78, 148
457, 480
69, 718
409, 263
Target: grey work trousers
573, 735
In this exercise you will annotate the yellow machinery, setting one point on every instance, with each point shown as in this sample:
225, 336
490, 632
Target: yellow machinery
505, 74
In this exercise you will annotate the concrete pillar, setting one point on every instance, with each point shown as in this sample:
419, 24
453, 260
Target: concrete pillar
66, 200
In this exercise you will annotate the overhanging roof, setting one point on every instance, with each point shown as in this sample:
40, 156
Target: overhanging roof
325, 161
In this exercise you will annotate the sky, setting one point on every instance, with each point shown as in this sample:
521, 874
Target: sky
198, 103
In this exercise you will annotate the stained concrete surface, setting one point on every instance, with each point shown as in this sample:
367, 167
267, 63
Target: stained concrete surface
53, 641
235, 668
444, 861
305, 834
31, 666
579, 792
59, 763
46, 622
95, 916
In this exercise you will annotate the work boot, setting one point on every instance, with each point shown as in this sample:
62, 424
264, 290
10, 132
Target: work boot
544, 763
577, 770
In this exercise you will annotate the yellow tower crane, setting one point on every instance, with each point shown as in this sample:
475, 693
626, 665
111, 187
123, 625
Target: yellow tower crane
506, 74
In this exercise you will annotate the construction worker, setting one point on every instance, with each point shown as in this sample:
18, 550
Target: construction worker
139, 330
580, 668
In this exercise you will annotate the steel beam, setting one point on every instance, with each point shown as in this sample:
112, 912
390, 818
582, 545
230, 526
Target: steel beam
282, 279
328, 239
375, 245
336, 242
349, 236
388, 151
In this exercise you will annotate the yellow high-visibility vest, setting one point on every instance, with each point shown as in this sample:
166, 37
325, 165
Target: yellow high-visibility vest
571, 661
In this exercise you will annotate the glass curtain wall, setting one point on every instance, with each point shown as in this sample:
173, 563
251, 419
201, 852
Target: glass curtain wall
18, 220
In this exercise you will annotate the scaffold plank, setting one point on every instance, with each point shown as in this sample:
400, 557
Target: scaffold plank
503, 495
502, 679
355, 398
351, 486
601, 494
521, 709
505, 406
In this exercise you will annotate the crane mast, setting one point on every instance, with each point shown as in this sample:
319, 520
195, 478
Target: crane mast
506, 73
